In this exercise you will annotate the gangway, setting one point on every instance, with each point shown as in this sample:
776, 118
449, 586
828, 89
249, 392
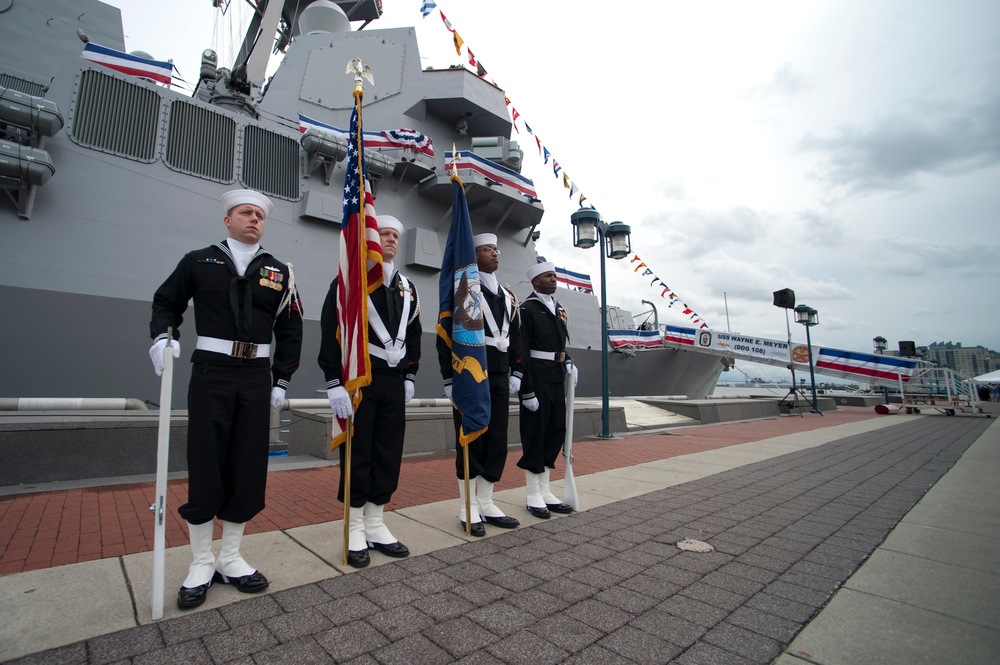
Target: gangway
920, 384
939, 388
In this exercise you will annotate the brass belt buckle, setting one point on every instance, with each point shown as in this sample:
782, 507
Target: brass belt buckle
245, 350
559, 356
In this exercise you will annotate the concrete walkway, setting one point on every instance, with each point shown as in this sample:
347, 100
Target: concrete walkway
791, 518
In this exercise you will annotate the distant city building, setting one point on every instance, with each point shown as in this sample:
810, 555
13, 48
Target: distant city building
968, 361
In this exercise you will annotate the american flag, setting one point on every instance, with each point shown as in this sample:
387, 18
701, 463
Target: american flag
360, 270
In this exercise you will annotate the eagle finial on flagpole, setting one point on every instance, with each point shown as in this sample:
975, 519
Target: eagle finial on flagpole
360, 71
454, 165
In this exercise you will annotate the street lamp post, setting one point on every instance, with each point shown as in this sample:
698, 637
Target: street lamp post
881, 343
809, 317
588, 228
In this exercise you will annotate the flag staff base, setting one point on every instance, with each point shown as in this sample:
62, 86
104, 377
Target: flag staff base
468, 499
346, 471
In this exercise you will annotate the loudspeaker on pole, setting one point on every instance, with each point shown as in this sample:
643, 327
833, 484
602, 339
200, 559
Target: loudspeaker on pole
907, 349
784, 298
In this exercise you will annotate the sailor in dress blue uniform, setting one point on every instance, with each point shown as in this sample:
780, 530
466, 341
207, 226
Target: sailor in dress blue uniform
545, 331
379, 425
505, 359
243, 296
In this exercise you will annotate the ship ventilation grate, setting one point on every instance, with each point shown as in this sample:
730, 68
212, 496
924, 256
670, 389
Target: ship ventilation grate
21, 85
271, 163
116, 116
201, 142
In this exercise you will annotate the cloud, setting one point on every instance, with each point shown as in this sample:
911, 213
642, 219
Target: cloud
915, 257
756, 281
894, 150
671, 190
824, 226
786, 85
697, 231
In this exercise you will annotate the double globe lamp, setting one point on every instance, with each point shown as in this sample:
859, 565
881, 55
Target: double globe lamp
588, 229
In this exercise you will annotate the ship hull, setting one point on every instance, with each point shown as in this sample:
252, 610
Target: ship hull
63, 344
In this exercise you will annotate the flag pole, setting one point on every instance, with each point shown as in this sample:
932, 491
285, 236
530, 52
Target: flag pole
468, 499
465, 448
159, 507
347, 482
360, 71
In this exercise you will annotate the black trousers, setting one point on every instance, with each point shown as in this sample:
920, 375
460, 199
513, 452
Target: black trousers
488, 453
543, 432
377, 443
228, 420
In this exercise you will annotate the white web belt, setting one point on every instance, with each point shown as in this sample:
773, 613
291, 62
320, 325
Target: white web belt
392, 350
245, 350
501, 337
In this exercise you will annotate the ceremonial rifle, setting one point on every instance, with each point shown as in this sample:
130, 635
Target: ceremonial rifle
159, 507
569, 493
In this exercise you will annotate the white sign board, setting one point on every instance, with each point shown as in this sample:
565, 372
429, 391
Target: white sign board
744, 346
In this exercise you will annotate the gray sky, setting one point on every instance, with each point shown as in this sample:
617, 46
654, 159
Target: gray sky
845, 149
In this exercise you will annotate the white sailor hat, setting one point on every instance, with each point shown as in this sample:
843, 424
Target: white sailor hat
389, 222
484, 239
240, 196
539, 268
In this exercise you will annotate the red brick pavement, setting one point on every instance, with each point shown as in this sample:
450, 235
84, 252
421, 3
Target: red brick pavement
55, 528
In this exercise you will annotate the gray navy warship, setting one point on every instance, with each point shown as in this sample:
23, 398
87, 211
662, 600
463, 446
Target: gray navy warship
107, 179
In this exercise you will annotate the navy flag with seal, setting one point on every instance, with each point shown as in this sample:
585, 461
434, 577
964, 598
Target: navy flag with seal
460, 322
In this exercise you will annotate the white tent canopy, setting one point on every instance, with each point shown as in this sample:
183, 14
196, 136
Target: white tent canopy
991, 377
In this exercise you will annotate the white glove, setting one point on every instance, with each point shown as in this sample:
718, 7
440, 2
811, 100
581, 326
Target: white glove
340, 402
513, 384
447, 391
531, 404
571, 371
277, 397
407, 391
156, 353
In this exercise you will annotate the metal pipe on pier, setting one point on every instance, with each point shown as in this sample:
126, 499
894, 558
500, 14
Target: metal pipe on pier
72, 404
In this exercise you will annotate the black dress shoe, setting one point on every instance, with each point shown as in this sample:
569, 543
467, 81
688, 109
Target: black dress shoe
358, 559
188, 598
560, 508
396, 549
477, 529
504, 522
252, 583
540, 512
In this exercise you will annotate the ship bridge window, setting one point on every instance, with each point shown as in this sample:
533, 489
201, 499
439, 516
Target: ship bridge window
201, 142
116, 116
271, 163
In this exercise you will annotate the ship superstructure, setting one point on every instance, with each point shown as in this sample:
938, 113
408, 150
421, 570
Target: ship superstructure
109, 178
